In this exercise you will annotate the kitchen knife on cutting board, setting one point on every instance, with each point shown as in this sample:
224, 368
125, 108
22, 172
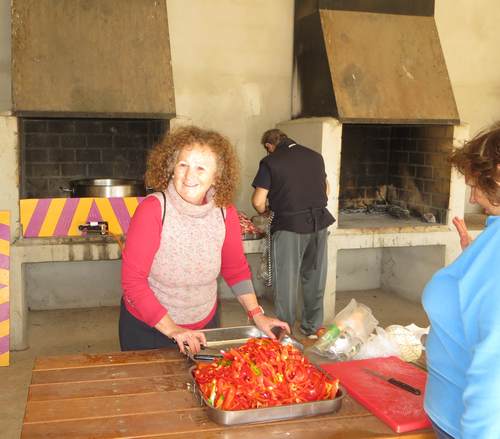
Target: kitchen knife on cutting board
399, 409
394, 382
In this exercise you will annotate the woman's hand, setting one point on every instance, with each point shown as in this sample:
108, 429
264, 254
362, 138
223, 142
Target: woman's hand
182, 336
193, 339
463, 233
265, 324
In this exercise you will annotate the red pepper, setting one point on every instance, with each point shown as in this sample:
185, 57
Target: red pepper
263, 373
229, 398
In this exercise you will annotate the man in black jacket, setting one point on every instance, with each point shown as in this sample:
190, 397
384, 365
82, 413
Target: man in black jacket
292, 181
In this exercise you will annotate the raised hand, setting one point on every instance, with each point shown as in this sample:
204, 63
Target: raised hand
463, 233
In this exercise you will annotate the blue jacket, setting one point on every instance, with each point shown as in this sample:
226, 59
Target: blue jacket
462, 302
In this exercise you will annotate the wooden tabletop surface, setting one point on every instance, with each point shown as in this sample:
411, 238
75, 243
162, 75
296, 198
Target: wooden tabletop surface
143, 394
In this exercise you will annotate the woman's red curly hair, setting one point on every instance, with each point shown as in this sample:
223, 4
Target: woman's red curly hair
479, 162
163, 157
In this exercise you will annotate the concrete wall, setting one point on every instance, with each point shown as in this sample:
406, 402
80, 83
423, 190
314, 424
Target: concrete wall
359, 269
406, 270
469, 36
388, 269
232, 67
57, 285
78, 284
5, 78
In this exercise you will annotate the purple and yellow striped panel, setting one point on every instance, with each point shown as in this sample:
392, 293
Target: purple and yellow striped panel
4, 286
47, 217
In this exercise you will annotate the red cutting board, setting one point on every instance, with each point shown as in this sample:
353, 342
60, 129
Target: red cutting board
401, 410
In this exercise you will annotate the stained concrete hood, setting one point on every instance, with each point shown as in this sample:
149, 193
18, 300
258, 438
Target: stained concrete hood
91, 58
372, 61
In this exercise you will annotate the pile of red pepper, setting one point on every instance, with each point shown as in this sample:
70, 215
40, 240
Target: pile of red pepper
262, 373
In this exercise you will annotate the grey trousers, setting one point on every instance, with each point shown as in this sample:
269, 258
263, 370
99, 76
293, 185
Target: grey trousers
300, 258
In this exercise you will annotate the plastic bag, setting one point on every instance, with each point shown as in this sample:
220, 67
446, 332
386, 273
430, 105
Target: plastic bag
358, 317
401, 341
350, 329
379, 344
408, 339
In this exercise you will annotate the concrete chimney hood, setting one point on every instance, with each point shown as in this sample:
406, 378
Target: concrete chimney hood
372, 61
91, 58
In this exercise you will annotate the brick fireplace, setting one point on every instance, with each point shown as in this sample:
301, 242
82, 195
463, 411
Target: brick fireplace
378, 249
57, 150
384, 167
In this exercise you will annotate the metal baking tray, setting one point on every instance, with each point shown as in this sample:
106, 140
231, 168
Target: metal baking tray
225, 338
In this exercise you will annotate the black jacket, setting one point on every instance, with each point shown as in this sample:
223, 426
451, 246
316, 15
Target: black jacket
296, 179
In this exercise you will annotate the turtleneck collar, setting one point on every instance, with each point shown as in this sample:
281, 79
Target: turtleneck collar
189, 209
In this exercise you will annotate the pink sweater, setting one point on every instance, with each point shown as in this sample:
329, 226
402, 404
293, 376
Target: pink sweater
143, 243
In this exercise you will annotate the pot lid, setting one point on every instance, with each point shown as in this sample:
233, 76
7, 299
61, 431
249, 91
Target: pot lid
106, 182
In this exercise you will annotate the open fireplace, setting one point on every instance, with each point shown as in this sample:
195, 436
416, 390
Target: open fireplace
394, 172
55, 151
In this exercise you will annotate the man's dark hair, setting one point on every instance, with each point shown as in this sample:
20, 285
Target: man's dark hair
273, 136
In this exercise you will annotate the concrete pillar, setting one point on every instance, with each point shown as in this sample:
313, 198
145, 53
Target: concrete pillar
9, 177
456, 205
18, 304
458, 200
330, 149
9, 200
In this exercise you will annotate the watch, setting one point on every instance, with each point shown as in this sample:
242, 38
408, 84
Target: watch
255, 311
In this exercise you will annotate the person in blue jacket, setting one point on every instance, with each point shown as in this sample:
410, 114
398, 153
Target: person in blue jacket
462, 302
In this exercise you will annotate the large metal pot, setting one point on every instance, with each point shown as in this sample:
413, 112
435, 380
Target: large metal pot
106, 187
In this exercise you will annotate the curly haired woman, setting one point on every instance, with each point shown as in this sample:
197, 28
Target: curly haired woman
179, 240
463, 304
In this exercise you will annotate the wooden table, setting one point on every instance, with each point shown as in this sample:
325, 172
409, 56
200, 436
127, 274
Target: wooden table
144, 394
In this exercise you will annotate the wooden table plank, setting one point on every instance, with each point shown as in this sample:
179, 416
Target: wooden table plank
98, 407
194, 422
123, 371
107, 406
370, 428
312, 428
91, 360
44, 392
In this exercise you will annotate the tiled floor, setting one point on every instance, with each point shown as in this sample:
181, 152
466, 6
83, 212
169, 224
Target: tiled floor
94, 330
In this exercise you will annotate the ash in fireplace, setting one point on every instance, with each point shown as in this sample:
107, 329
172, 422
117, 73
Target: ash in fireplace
385, 203
392, 209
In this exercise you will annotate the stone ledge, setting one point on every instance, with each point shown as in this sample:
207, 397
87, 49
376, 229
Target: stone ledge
92, 248
358, 239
